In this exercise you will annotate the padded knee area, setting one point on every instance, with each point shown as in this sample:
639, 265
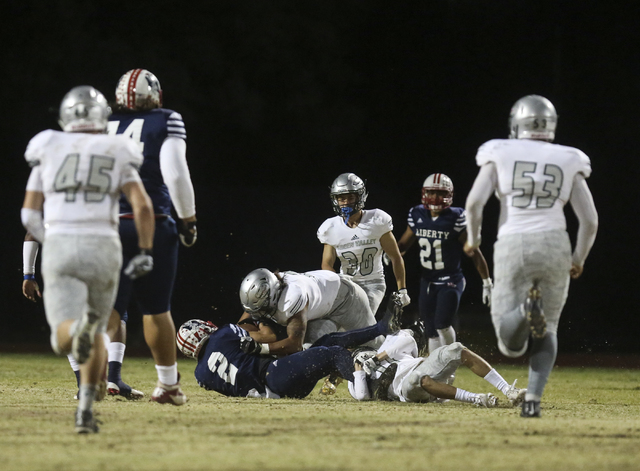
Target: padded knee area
511, 353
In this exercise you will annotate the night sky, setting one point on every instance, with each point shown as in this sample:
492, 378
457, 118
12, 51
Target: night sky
279, 98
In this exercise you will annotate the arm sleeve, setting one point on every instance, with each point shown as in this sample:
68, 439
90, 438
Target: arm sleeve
485, 184
359, 389
582, 204
175, 173
29, 254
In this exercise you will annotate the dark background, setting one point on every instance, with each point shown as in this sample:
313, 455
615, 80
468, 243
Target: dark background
281, 97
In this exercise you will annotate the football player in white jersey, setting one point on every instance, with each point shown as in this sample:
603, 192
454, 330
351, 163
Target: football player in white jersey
533, 179
309, 304
396, 373
76, 180
358, 238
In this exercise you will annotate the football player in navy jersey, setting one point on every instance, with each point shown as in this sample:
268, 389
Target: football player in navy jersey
229, 359
161, 136
441, 233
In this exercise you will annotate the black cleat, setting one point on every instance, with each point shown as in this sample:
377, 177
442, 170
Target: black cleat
391, 322
530, 409
534, 313
85, 423
380, 387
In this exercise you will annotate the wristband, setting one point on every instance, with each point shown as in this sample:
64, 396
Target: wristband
29, 276
146, 252
264, 349
487, 282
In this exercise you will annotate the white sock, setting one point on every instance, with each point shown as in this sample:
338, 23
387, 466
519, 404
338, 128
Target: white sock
465, 396
447, 336
532, 397
167, 374
116, 351
86, 396
73, 362
494, 378
434, 343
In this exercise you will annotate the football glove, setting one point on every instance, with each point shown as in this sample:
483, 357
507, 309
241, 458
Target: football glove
487, 286
370, 364
253, 347
403, 297
140, 265
188, 233
385, 259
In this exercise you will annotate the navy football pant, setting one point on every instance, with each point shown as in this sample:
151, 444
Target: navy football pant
152, 292
438, 304
296, 375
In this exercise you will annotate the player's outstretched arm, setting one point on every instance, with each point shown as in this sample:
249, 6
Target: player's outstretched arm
328, 258
583, 206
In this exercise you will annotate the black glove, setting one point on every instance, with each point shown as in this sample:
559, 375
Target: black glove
250, 346
140, 265
188, 233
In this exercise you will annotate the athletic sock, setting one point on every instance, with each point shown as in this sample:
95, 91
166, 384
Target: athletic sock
116, 354
541, 361
167, 374
447, 335
465, 396
75, 367
86, 396
434, 343
494, 378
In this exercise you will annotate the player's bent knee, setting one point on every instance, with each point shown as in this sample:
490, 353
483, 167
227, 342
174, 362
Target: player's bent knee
515, 353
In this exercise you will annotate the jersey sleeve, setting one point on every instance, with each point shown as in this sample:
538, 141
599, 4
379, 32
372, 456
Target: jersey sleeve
410, 222
486, 153
35, 149
584, 164
384, 222
323, 232
293, 300
461, 222
175, 126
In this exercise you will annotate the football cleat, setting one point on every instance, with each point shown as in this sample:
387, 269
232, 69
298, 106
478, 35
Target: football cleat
530, 409
165, 394
330, 385
515, 395
535, 315
380, 386
85, 422
485, 400
84, 335
123, 389
391, 322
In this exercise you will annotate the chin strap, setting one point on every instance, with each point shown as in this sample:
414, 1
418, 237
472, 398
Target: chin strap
346, 211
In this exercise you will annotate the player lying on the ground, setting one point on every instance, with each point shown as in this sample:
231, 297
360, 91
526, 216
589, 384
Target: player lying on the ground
397, 373
229, 360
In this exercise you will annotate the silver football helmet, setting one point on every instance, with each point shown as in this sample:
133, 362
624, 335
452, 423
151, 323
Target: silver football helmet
139, 89
192, 335
259, 293
84, 109
443, 185
533, 117
345, 184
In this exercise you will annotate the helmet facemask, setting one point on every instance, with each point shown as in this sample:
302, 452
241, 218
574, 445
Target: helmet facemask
348, 184
192, 336
441, 188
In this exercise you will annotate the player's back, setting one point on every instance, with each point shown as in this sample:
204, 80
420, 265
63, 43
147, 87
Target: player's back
149, 129
82, 175
225, 368
535, 179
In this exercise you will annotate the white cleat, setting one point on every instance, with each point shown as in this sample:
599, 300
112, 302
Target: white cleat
485, 400
515, 395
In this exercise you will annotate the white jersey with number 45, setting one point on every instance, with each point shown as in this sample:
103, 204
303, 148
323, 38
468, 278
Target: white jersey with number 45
358, 248
535, 179
81, 176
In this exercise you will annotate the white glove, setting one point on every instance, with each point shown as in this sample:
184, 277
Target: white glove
139, 265
487, 285
403, 296
370, 365
385, 259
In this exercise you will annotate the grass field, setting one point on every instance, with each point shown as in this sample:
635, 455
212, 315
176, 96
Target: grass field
591, 421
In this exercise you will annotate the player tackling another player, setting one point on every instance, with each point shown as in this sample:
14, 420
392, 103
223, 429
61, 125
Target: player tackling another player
534, 179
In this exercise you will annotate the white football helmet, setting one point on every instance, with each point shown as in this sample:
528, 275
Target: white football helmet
192, 335
533, 117
443, 185
345, 184
84, 109
259, 293
139, 89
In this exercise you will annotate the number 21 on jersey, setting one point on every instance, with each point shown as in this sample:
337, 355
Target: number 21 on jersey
429, 250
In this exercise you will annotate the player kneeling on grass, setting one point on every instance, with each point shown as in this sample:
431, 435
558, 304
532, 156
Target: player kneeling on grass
397, 373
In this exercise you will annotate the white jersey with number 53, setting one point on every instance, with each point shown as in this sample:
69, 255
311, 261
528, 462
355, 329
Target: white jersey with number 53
535, 179
81, 176
358, 248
